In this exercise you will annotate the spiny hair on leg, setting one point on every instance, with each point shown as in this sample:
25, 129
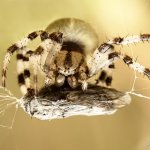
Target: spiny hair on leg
130, 39
135, 65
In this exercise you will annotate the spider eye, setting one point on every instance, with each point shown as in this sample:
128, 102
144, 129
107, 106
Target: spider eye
56, 36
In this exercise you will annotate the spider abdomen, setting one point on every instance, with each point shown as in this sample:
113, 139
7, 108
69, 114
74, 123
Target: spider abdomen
76, 32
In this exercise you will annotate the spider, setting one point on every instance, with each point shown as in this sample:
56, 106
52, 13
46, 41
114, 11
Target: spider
69, 53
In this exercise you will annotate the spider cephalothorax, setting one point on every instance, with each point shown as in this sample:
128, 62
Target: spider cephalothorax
69, 53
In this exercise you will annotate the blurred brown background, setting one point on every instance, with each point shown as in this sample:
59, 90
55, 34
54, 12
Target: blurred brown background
129, 128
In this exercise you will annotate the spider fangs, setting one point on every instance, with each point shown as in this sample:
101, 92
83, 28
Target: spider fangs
69, 53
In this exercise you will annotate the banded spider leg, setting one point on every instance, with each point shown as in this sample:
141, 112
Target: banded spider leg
49, 41
105, 55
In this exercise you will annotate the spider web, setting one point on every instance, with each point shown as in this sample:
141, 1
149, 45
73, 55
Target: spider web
141, 92
8, 108
135, 91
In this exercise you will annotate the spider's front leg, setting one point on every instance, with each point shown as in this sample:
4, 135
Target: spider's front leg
102, 57
130, 39
50, 45
105, 55
51, 52
20, 45
24, 56
47, 52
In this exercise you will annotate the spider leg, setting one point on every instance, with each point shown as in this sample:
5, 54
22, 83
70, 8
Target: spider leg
20, 71
37, 58
19, 45
24, 58
105, 75
99, 58
130, 62
35, 78
83, 74
34, 60
130, 39
51, 52
23, 70
48, 51
135, 65
109, 78
105, 56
